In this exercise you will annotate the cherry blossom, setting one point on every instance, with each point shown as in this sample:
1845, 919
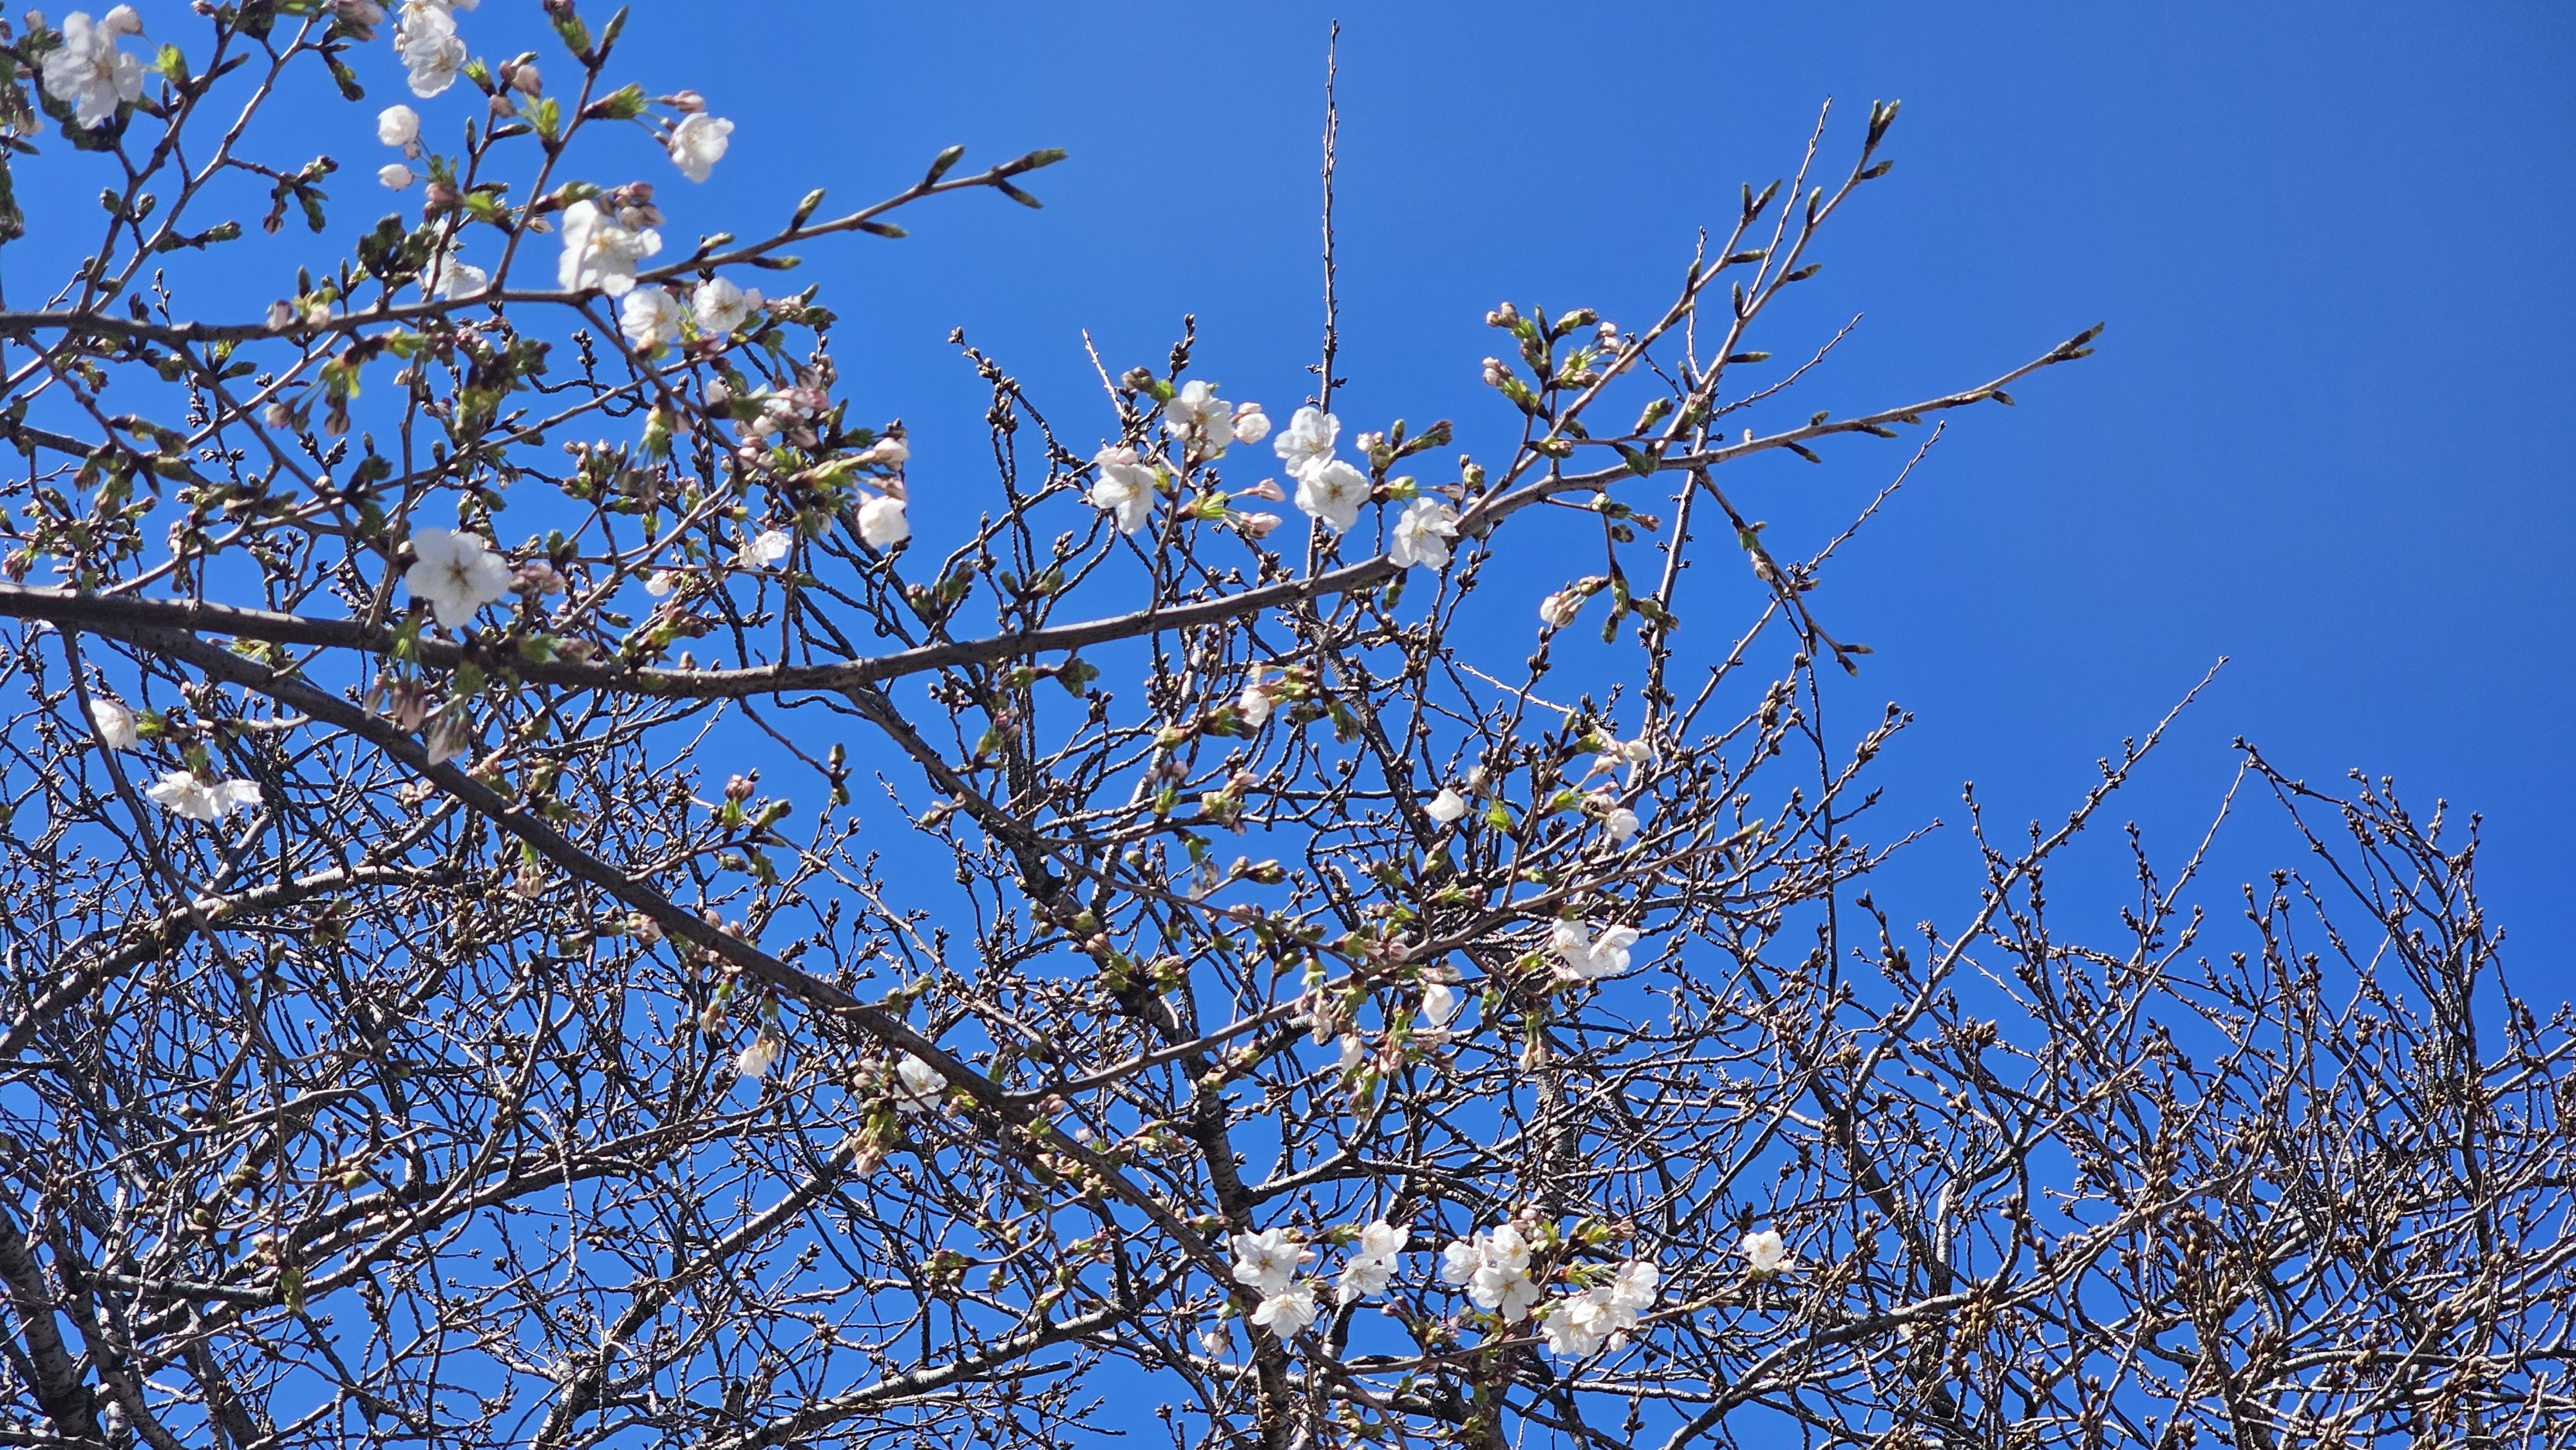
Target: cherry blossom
1422, 534
189, 796
1307, 442
457, 574
1586, 956
918, 1085
1257, 525
393, 176
399, 126
721, 306
1557, 610
1332, 492
650, 319
757, 1059
1372, 1263
1621, 824
1267, 1260
1765, 1251
882, 524
1289, 1311
599, 251
698, 143
1494, 1269
1124, 489
1254, 702
115, 723
426, 42
1251, 425
1581, 1323
1439, 1005
449, 277
765, 549
1362, 1277
88, 73
1201, 421
1448, 807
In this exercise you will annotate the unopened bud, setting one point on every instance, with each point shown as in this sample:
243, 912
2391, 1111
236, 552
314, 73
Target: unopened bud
687, 103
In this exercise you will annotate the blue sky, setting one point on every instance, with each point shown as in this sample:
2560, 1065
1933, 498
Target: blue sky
2325, 436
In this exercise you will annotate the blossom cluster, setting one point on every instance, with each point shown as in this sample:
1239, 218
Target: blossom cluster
1493, 1267
652, 317
88, 72
1267, 1263
1581, 1323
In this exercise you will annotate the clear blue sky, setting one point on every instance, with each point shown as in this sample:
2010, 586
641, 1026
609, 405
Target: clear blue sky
2327, 434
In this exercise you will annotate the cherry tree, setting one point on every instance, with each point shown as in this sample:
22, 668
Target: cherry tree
542, 911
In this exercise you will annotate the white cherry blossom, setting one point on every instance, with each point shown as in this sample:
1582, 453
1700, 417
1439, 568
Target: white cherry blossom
1251, 425
393, 176
1254, 702
1124, 489
1448, 807
449, 277
1307, 441
1621, 824
1494, 1269
1362, 1277
1557, 610
426, 42
918, 1085
1586, 956
1580, 1324
189, 796
1199, 419
765, 549
399, 126
457, 574
88, 73
650, 318
115, 723
1422, 534
1267, 1260
1333, 492
1439, 1005
1765, 1251
1635, 1285
1381, 1240
757, 1059
1289, 1311
600, 252
882, 524
721, 306
698, 143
